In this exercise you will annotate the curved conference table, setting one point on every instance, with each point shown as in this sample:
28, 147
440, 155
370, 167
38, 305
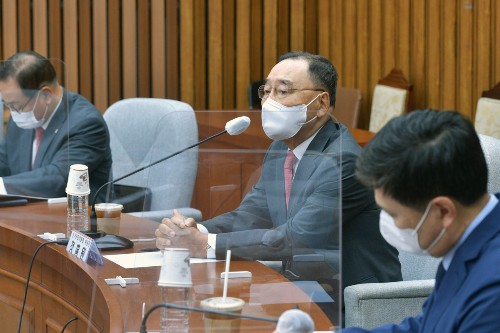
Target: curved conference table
62, 287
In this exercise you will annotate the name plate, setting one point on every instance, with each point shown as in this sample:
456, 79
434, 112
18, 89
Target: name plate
84, 247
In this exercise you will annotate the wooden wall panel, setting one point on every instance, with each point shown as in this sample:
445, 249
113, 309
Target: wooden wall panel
85, 50
70, 24
9, 24
206, 53
433, 38
129, 50
114, 52
449, 63
172, 50
40, 37
215, 53
243, 37
100, 54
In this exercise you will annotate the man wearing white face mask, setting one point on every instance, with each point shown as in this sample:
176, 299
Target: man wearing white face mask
274, 222
49, 129
430, 178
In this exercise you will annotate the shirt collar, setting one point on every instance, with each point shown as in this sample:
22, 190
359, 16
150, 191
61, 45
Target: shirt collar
448, 257
46, 123
300, 150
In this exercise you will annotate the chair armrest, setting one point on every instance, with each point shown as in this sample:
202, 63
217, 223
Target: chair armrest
158, 215
369, 305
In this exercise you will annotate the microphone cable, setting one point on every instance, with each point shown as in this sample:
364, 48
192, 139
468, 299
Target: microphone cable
67, 323
61, 242
143, 328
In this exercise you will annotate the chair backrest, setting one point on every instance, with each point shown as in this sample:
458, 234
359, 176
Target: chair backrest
487, 119
347, 104
416, 267
491, 149
391, 98
145, 130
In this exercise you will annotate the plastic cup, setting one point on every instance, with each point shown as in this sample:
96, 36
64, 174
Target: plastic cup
220, 323
108, 217
175, 269
78, 180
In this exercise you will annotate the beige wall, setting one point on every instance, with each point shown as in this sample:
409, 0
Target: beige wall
206, 52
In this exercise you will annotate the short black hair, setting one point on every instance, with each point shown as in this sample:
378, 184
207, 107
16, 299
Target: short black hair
30, 70
322, 71
424, 154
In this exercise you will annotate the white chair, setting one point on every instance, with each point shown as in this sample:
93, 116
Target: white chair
145, 130
491, 148
391, 98
487, 119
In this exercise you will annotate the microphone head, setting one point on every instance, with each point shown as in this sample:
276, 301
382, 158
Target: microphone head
237, 125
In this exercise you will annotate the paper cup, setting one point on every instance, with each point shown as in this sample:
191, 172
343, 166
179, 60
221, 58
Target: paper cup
175, 268
78, 180
108, 217
219, 323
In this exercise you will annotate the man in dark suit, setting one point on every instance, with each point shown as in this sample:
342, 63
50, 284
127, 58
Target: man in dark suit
325, 200
49, 129
430, 178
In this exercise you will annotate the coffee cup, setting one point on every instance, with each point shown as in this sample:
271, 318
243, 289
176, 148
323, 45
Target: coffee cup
219, 323
78, 180
108, 217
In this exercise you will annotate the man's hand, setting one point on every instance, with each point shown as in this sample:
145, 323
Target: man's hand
181, 232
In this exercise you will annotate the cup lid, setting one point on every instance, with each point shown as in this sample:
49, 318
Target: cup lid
109, 206
221, 304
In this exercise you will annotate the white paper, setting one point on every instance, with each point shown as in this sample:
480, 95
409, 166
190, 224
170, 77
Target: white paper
146, 259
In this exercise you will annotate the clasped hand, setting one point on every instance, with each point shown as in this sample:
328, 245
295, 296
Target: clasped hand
181, 232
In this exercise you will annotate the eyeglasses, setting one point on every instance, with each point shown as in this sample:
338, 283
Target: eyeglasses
280, 92
14, 109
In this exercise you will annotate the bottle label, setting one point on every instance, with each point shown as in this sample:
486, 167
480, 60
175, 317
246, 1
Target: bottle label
78, 203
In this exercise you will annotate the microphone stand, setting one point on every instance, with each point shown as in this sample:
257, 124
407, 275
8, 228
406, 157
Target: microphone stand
120, 242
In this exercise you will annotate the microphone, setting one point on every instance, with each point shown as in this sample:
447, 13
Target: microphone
143, 328
235, 126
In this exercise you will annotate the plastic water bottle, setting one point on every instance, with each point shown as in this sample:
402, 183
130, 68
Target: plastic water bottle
78, 199
174, 320
78, 213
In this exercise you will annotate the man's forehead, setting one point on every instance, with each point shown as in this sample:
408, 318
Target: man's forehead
288, 72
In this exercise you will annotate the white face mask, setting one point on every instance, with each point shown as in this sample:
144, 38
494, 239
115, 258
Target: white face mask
406, 239
27, 120
282, 122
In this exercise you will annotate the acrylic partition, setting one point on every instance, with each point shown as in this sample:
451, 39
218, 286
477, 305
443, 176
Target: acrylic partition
234, 184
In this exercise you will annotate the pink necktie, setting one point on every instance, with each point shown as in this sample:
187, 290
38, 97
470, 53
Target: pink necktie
38, 138
288, 171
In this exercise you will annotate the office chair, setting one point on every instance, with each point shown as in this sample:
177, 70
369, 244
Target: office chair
347, 104
391, 98
144, 130
487, 119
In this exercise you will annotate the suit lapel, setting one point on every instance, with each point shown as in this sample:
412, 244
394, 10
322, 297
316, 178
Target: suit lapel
466, 254
50, 133
26, 145
309, 163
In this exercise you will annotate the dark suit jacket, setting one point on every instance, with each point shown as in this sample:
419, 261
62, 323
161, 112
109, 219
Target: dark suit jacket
77, 134
262, 227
